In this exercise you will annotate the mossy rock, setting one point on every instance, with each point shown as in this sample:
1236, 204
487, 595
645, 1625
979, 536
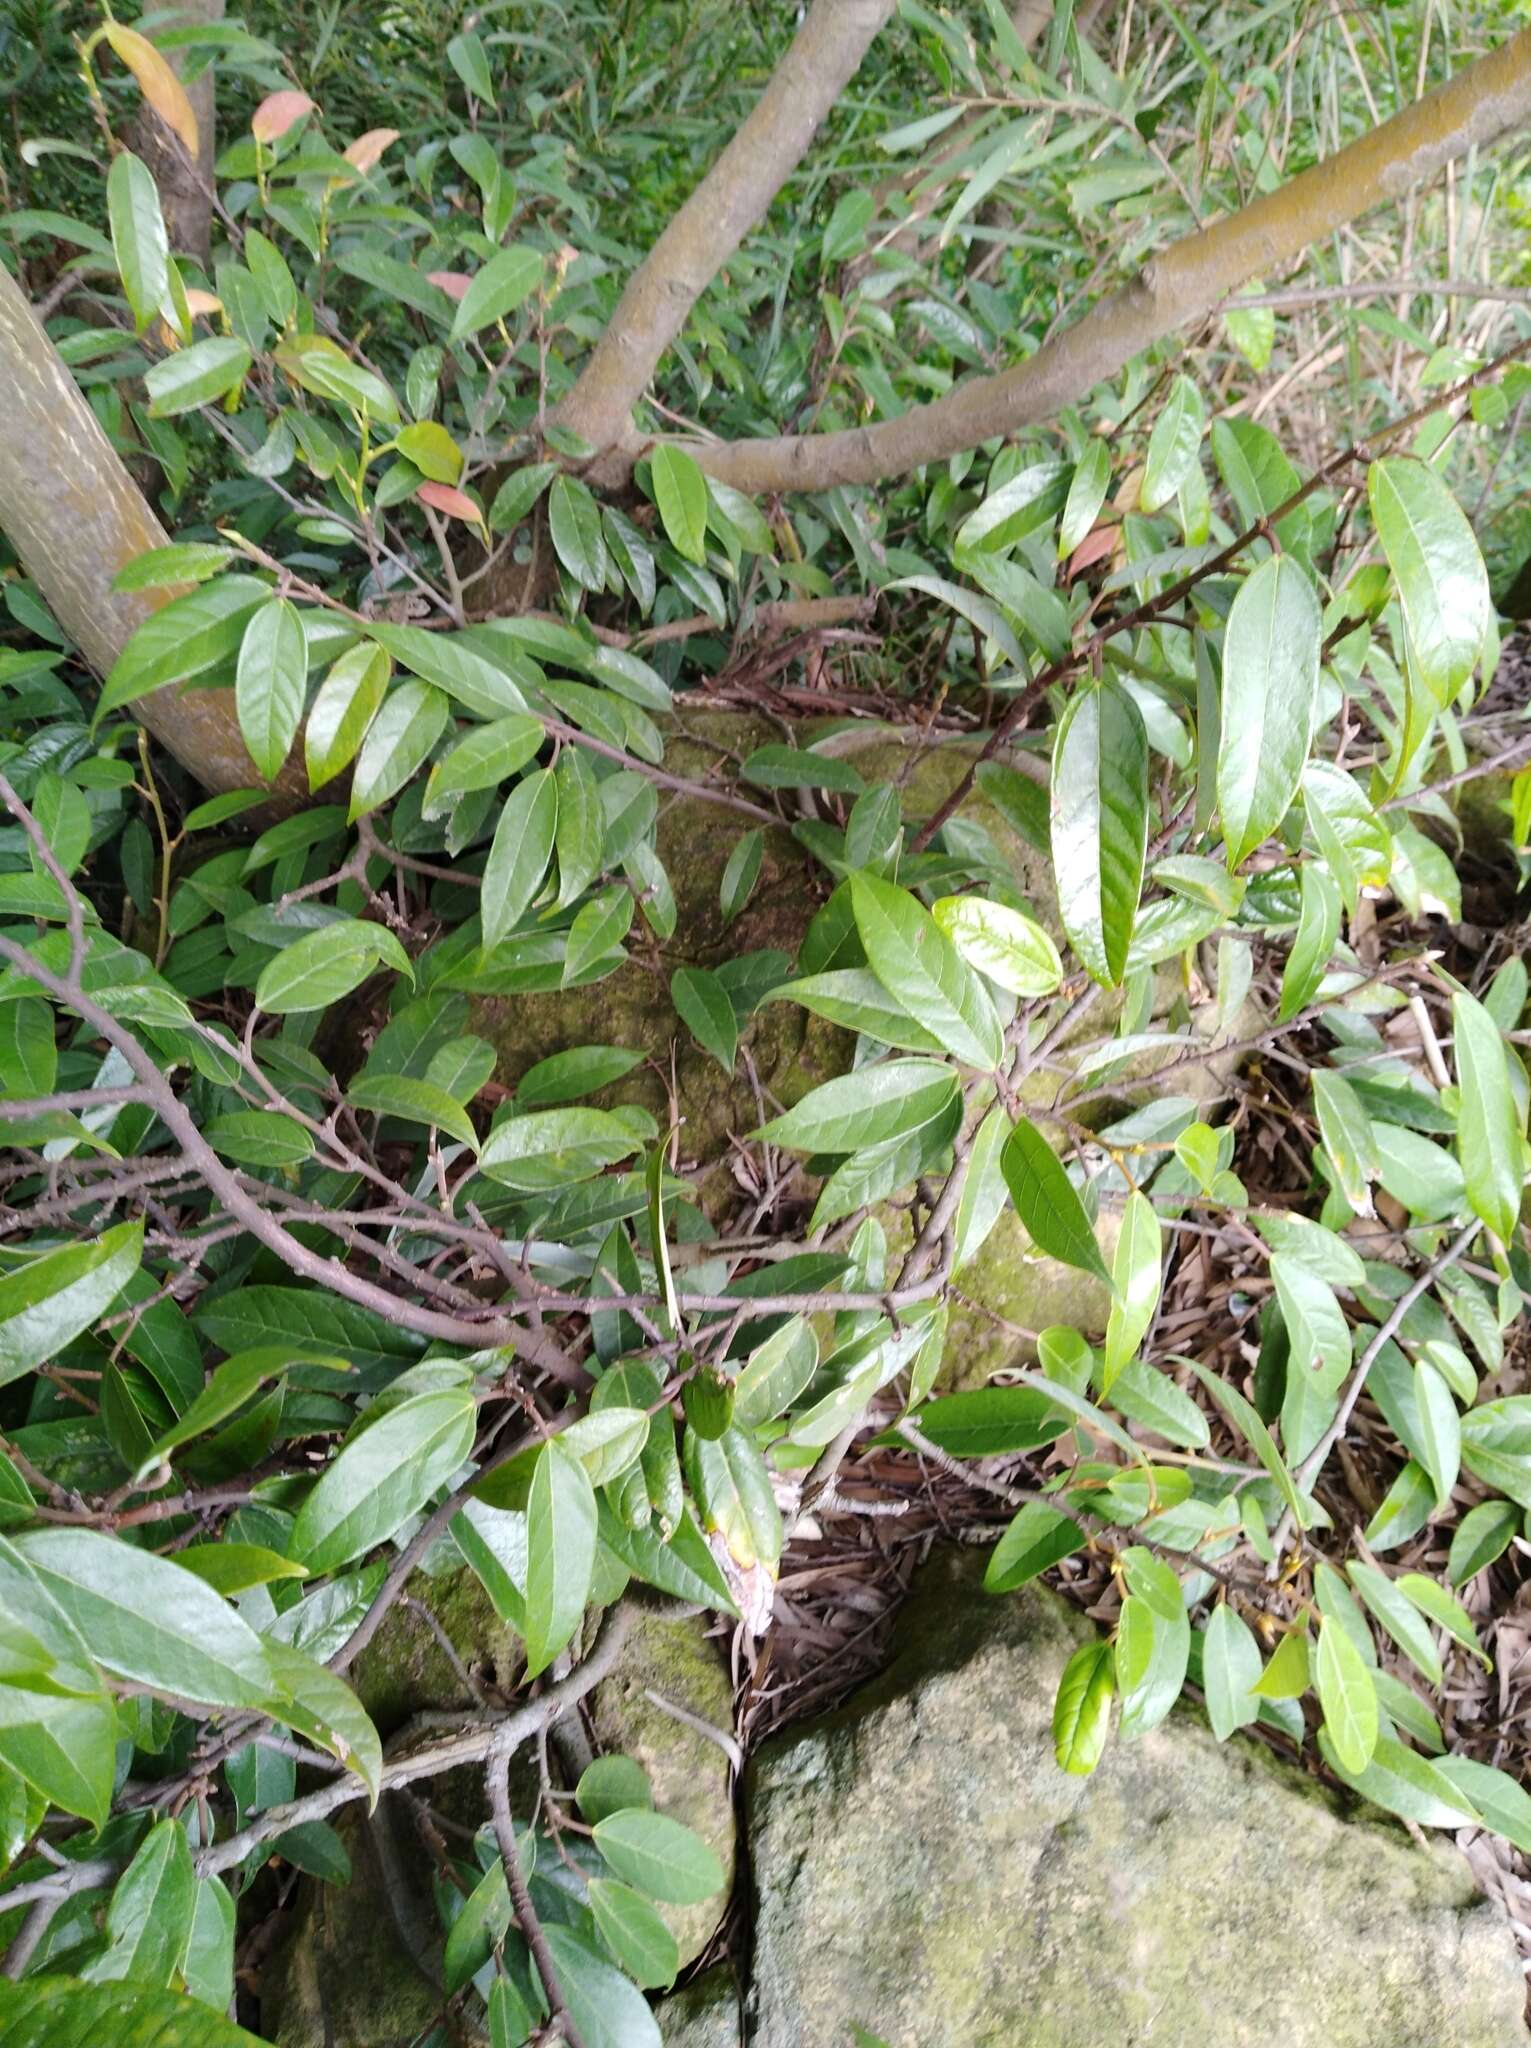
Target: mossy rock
344, 1976
705, 2015
789, 1051
404, 1670
691, 1775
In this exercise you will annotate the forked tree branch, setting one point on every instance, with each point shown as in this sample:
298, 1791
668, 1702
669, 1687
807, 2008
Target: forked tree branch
1485, 101
729, 202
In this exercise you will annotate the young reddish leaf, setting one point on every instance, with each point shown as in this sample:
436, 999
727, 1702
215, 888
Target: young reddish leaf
278, 112
202, 305
454, 503
454, 283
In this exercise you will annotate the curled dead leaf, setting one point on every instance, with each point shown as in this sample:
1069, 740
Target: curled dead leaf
278, 112
156, 81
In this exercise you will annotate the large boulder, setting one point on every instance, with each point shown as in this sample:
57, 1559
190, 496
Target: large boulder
922, 1868
705, 2015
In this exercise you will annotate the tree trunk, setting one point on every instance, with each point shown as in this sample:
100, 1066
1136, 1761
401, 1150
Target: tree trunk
185, 188
728, 203
1484, 102
75, 517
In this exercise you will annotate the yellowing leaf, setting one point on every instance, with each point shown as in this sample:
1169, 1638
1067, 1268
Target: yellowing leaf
156, 81
366, 151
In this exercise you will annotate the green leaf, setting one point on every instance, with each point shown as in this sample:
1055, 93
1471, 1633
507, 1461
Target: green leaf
582, 1070
1046, 1202
702, 1004
418, 1102
315, 363
1442, 583
1348, 1139
560, 1552
683, 1566
1270, 686
1230, 1672
187, 561
1004, 944
1489, 1121
579, 840
504, 283
519, 856
740, 874
1398, 1617
867, 1107
431, 449
1318, 926
638, 1939
1483, 1534
1153, 1642
1347, 1695
148, 1924
183, 639
1038, 1538
1448, 1613
412, 718
546, 1148
231, 1568
229, 1387
988, 1422
61, 2012
146, 1619
1321, 1343
610, 1784
342, 711
260, 1137
782, 767
325, 965
1504, 1804
597, 932
574, 520
661, 1857
489, 755
1439, 1446
1287, 1676
923, 972
1135, 1282
48, 1302
386, 1471
195, 376
517, 495
1402, 1782
269, 683
1087, 493
775, 1373
856, 1000
1173, 444
1100, 825
1245, 1418
320, 1705
680, 492
139, 241
1082, 1710
733, 1493
608, 2010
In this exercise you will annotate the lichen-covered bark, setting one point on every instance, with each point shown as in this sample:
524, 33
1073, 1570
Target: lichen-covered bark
75, 517
1484, 102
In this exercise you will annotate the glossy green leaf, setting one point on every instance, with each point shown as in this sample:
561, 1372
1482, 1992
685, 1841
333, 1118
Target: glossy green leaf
560, 1552
1347, 1695
1038, 1538
865, 1108
1173, 444
1230, 1667
1270, 685
61, 2012
1135, 1276
1047, 1203
1099, 821
519, 855
1011, 949
148, 1620
411, 719
659, 1856
48, 1302
139, 241
548, 1147
1318, 927
506, 281
148, 1923
702, 1004
1483, 1535
1489, 1120
639, 1940
345, 706
1442, 583
386, 1471
1087, 493
1082, 1709
680, 492
923, 972
195, 376
417, 1102
574, 520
